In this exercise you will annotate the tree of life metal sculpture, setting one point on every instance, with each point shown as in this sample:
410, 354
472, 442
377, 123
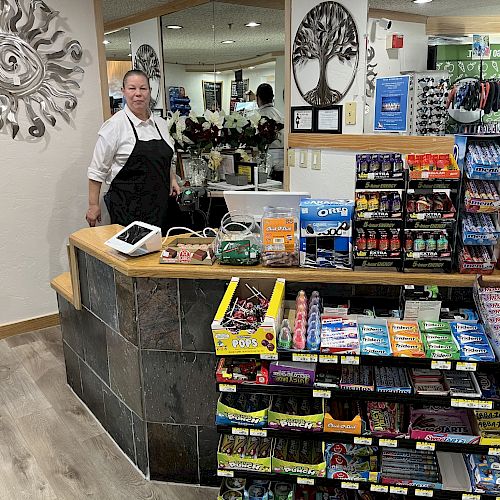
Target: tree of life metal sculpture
146, 60
328, 31
30, 74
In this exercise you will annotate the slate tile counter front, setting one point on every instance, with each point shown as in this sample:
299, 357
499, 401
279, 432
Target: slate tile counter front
140, 355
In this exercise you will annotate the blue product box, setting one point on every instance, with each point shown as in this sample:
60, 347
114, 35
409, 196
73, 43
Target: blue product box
326, 233
485, 167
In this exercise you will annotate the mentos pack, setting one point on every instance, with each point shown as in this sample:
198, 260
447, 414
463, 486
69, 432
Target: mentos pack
326, 233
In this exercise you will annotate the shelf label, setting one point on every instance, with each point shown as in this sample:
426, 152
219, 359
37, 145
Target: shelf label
322, 393
227, 387
306, 480
391, 443
494, 452
269, 357
304, 357
439, 364
424, 445
470, 496
347, 485
399, 490
424, 493
379, 488
239, 431
328, 358
464, 366
349, 360
363, 440
472, 403
225, 473
258, 432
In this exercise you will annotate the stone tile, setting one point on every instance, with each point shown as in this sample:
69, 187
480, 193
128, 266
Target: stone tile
158, 313
118, 422
92, 392
124, 370
173, 453
72, 369
179, 387
140, 438
199, 300
71, 325
95, 352
125, 301
208, 441
102, 291
325, 289
82, 273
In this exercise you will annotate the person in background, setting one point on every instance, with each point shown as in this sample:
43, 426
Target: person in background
133, 154
265, 98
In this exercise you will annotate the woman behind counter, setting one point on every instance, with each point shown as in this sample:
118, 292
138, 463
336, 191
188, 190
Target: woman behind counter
133, 152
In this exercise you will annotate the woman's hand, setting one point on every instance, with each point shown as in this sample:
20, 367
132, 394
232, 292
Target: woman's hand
175, 190
93, 215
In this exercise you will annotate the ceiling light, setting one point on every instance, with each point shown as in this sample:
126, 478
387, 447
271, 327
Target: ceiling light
218, 72
251, 67
422, 1
227, 41
130, 43
252, 24
174, 27
129, 55
106, 42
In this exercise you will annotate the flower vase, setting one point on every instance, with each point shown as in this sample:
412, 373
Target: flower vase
213, 175
197, 170
264, 164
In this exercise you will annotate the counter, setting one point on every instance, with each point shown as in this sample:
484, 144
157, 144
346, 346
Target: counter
138, 346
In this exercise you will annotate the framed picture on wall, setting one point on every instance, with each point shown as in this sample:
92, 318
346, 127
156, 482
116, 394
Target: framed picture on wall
328, 120
246, 168
302, 119
212, 95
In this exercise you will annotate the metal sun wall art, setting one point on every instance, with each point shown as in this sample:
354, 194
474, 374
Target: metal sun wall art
147, 60
32, 70
327, 32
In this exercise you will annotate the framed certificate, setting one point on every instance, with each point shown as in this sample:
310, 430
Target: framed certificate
328, 120
302, 119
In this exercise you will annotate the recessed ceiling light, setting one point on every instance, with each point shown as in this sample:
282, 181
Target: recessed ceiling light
106, 42
251, 67
129, 55
130, 43
252, 24
227, 41
422, 1
174, 27
218, 72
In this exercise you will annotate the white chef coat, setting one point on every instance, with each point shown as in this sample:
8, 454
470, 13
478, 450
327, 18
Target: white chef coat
275, 148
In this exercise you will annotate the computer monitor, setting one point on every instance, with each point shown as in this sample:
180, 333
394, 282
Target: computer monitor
246, 106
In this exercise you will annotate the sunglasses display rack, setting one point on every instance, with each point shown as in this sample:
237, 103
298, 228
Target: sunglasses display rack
380, 201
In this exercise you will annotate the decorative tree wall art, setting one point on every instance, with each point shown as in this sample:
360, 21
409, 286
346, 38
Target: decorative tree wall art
325, 54
147, 60
34, 69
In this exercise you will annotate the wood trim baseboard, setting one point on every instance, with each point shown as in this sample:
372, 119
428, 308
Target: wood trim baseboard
28, 325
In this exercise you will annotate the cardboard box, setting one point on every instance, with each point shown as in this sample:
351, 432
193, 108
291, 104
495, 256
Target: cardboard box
281, 466
285, 421
234, 461
355, 426
227, 415
292, 373
264, 339
184, 250
242, 371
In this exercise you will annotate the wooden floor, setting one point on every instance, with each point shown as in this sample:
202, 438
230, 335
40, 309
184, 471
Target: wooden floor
51, 447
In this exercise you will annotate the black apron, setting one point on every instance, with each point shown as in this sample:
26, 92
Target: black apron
141, 188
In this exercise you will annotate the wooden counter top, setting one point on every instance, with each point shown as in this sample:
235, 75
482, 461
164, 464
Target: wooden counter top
91, 240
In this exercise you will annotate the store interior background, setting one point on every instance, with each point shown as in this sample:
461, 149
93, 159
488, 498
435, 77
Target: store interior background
45, 190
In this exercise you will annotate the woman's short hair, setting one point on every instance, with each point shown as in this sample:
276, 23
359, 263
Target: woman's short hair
134, 72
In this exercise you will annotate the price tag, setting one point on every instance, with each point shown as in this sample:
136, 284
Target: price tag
391, 443
379, 488
239, 431
399, 490
349, 360
269, 357
494, 451
328, 358
424, 493
347, 485
472, 403
424, 445
258, 432
466, 367
322, 393
470, 496
227, 387
304, 357
438, 364
363, 440
305, 480
225, 473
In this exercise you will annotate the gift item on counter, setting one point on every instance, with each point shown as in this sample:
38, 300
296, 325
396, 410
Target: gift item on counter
299, 457
481, 196
392, 379
350, 461
472, 341
443, 425
374, 338
292, 373
244, 452
379, 166
432, 166
344, 417
378, 242
189, 251
476, 260
247, 410
462, 384
435, 205
386, 419
326, 233
482, 160
248, 317
480, 229
301, 414
238, 240
280, 243
430, 382
242, 371
485, 473
488, 422
339, 336
405, 339
357, 378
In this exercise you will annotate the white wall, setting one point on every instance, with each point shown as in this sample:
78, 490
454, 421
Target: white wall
44, 183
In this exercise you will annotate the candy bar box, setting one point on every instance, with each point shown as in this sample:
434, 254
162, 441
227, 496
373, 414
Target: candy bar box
292, 413
188, 251
246, 410
248, 453
299, 457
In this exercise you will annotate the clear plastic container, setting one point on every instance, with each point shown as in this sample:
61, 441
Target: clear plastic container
238, 240
280, 243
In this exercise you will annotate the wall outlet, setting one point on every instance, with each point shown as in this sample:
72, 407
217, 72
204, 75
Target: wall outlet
316, 160
303, 157
291, 157
350, 113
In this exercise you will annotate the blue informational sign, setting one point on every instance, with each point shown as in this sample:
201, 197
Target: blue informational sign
391, 104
